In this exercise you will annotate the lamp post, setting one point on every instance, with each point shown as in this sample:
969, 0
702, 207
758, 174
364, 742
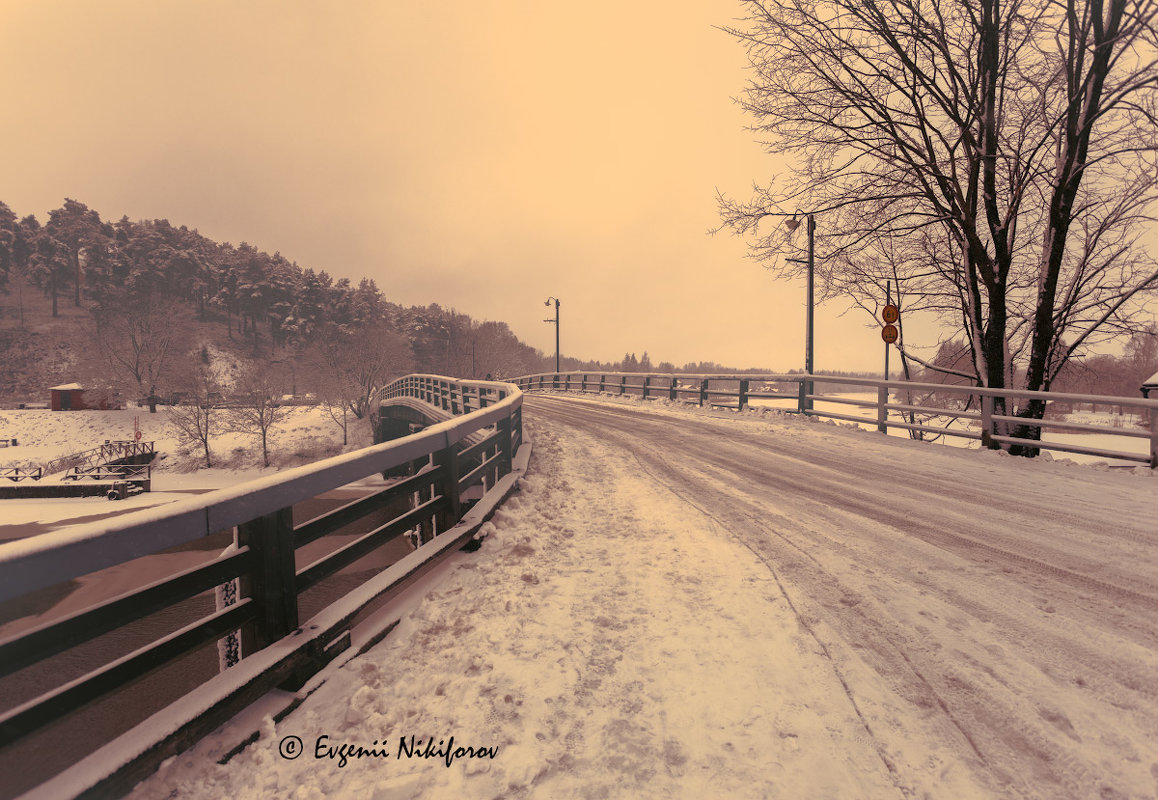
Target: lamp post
806, 385
556, 321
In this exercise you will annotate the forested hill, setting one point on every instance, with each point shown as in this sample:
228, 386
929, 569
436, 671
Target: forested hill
77, 292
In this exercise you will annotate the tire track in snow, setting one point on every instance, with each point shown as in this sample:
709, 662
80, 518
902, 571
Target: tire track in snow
949, 532
1034, 750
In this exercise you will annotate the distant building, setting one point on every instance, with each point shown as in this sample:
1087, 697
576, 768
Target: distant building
69, 397
1149, 384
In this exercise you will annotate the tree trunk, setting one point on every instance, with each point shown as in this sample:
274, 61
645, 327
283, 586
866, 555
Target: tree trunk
993, 349
75, 255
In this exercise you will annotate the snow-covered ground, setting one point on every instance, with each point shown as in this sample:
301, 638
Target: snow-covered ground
759, 606
1110, 442
304, 434
45, 435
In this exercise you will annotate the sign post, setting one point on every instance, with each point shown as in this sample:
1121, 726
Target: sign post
890, 333
889, 314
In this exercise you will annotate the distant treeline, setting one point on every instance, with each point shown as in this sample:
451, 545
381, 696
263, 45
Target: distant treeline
268, 301
1116, 375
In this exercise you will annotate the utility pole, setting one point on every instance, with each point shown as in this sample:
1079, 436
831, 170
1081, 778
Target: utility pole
811, 301
888, 302
810, 227
556, 321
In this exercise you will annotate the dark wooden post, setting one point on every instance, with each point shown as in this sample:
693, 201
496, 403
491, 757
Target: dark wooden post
743, 398
704, 392
273, 582
424, 493
447, 458
671, 392
516, 431
602, 384
583, 383
503, 462
623, 385
646, 386
567, 383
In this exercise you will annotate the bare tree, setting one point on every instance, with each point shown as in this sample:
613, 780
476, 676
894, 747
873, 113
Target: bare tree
196, 419
140, 338
255, 409
995, 160
350, 369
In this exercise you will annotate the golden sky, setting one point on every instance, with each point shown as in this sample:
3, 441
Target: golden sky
481, 155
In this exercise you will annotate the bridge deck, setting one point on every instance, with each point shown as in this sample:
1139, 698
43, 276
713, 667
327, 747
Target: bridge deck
686, 607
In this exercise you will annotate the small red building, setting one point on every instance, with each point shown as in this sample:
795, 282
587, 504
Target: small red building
69, 397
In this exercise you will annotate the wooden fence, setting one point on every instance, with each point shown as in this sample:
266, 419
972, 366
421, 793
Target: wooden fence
970, 412
22, 473
474, 448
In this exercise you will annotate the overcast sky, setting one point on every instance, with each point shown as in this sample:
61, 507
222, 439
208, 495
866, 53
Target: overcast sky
481, 155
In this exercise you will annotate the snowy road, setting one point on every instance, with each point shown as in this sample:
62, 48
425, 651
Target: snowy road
682, 606
1000, 614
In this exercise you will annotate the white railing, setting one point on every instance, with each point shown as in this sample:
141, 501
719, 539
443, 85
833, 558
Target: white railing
968, 412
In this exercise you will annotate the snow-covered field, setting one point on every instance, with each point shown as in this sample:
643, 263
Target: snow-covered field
305, 434
763, 606
45, 435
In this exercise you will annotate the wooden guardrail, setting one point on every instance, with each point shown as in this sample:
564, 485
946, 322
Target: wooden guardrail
968, 412
110, 472
22, 473
475, 447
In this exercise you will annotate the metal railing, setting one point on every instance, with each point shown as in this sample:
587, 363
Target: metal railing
473, 448
968, 412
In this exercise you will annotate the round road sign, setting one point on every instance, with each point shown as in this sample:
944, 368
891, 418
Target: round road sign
889, 333
137, 435
890, 314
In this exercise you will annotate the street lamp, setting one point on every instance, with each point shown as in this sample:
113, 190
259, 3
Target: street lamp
556, 321
792, 224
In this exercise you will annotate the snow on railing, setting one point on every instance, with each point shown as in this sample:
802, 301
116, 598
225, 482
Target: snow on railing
477, 445
968, 412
